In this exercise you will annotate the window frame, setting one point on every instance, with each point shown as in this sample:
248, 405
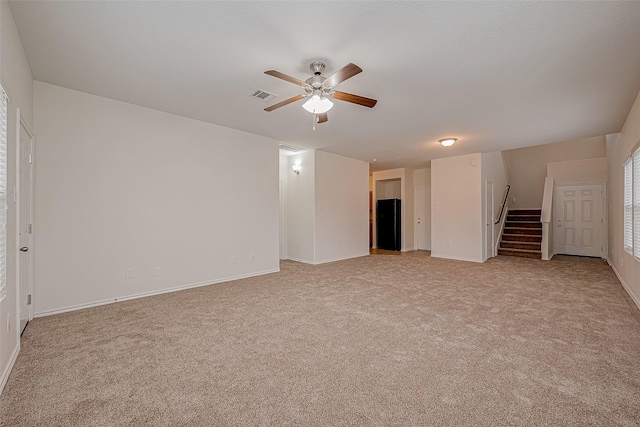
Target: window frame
627, 208
4, 121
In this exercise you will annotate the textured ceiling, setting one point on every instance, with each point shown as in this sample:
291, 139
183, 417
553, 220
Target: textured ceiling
496, 75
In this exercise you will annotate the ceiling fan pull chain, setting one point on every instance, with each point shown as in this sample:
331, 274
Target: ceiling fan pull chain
315, 120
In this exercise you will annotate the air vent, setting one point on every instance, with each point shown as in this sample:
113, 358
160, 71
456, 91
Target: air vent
264, 96
290, 149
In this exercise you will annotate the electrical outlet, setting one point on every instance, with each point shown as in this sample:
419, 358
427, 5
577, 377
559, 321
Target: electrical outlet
8, 322
252, 257
129, 273
157, 271
233, 259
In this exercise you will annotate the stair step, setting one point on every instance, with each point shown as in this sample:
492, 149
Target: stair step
532, 246
522, 238
523, 224
525, 212
520, 253
535, 218
532, 231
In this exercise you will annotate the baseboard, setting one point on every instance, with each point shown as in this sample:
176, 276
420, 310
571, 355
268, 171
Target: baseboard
306, 261
456, 258
340, 259
9, 368
151, 293
635, 299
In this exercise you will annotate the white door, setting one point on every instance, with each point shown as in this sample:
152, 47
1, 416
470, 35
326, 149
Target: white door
489, 215
423, 219
25, 227
579, 220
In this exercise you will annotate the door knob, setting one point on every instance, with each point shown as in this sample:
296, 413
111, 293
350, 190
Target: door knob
24, 249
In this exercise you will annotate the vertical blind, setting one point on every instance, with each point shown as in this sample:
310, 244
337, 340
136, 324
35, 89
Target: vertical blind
636, 204
628, 206
3, 193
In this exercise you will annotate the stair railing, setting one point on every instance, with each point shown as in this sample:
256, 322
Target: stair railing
501, 218
504, 203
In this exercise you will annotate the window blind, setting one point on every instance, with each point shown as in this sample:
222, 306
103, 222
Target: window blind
3, 193
636, 204
628, 206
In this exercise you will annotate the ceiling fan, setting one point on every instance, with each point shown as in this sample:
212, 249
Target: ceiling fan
318, 90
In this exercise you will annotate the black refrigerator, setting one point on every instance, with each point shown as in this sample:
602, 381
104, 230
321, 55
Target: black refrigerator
388, 217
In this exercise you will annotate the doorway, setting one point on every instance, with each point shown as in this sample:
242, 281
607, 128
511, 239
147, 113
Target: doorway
24, 203
579, 220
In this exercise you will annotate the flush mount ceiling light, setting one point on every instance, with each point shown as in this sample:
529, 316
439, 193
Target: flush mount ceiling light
318, 104
448, 142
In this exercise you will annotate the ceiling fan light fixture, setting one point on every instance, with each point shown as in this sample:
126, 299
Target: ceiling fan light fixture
318, 104
448, 142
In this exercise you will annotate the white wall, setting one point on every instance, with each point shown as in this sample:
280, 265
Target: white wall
120, 186
406, 195
456, 208
422, 181
283, 163
342, 207
17, 81
626, 267
527, 167
327, 208
301, 208
578, 171
493, 169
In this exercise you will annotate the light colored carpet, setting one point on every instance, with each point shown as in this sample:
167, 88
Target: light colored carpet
378, 340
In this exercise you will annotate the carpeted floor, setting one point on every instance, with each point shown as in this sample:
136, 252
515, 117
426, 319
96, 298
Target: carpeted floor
378, 340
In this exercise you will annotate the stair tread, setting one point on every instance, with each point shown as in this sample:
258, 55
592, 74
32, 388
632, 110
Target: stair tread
521, 250
520, 243
524, 222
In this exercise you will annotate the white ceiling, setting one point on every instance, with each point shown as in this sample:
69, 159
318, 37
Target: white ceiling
496, 75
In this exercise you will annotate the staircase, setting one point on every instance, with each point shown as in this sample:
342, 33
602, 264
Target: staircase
522, 235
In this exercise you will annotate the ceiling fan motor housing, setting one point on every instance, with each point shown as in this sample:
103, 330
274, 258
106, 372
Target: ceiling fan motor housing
316, 80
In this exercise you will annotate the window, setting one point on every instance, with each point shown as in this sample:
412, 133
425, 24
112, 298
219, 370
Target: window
3, 193
636, 204
628, 207
632, 205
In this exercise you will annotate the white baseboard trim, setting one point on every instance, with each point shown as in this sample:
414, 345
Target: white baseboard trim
9, 368
340, 259
305, 261
151, 293
624, 285
456, 258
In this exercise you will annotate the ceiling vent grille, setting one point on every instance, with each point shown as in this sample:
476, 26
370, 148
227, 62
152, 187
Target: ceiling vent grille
262, 95
291, 149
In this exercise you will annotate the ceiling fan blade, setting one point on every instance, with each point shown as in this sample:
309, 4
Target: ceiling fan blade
355, 99
341, 75
285, 77
285, 102
322, 118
